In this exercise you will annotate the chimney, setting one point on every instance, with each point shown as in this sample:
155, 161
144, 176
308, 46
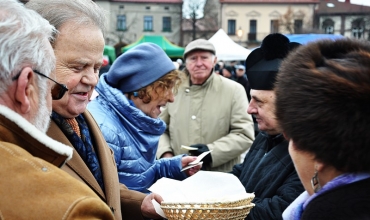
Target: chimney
348, 1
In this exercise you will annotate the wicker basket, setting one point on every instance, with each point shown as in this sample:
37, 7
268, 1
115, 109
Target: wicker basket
208, 211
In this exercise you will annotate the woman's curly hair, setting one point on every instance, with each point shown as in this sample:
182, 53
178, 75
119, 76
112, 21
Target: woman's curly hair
171, 80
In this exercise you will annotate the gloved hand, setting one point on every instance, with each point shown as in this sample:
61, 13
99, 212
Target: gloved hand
207, 160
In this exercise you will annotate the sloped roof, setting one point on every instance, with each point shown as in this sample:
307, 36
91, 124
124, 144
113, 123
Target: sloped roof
150, 1
272, 1
341, 8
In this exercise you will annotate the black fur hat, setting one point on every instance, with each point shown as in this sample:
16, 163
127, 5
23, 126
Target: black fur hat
263, 63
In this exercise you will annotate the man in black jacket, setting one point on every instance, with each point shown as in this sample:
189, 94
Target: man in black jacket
241, 78
268, 170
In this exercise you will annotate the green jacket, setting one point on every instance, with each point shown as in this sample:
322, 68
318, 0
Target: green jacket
214, 114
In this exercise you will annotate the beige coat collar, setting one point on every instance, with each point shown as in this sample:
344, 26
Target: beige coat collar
17, 130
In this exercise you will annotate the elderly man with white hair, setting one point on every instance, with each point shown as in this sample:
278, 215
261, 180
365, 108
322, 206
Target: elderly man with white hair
32, 185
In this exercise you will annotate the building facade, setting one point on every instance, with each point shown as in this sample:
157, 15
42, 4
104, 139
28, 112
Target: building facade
128, 20
249, 21
349, 20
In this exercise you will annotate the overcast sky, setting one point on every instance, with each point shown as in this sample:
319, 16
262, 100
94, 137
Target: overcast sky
359, 2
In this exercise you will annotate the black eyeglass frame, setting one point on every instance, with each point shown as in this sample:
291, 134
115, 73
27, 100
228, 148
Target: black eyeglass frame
56, 94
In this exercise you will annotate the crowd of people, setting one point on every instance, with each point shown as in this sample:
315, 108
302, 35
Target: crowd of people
63, 156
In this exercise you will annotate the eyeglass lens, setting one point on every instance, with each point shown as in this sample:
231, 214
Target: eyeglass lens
57, 91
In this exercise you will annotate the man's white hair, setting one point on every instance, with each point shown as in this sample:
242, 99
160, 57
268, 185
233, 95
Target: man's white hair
23, 43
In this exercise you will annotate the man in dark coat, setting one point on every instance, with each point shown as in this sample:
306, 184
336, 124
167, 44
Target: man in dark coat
268, 170
241, 78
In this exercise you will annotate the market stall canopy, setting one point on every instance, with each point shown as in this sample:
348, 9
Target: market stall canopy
110, 52
226, 48
172, 50
306, 38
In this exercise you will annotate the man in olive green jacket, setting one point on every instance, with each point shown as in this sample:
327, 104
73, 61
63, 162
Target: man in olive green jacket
209, 113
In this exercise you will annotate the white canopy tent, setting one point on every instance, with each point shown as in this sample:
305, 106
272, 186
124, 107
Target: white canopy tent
226, 48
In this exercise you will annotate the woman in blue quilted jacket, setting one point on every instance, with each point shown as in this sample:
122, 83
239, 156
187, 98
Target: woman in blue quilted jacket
129, 101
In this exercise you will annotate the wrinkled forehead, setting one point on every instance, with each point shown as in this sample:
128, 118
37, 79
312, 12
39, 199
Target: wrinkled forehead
263, 95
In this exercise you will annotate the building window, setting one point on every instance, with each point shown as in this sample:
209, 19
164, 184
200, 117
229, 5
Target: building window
357, 32
329, 30
274, 26
298, 24
358, 28
166, 8
121, 23
328, 26
148, 23
231, 27
166, 24
147, 7
252, 35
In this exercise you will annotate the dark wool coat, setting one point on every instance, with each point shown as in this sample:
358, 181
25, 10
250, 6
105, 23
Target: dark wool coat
271, 175
350, 201
244, 82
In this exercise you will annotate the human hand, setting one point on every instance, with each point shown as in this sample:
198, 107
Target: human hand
185, 162
147, 208
207, 160
167, 155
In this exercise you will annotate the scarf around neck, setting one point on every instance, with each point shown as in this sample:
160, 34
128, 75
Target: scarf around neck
295, 210
83, 144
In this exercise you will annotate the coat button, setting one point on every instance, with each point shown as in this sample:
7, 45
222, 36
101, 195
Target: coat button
187, 90
193, 117
44, 169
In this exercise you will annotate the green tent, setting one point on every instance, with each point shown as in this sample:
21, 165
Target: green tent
110, 52
173, 51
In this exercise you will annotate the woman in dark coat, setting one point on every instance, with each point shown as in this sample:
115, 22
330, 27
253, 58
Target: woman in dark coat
323, 106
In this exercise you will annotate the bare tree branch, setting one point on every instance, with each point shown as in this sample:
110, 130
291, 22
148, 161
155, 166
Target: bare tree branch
193, 11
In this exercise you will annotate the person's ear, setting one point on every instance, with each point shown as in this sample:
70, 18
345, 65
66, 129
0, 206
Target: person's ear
215, 61
286, 136
319, 166
24, 89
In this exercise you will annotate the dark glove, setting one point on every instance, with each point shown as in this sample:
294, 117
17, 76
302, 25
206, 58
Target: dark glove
207, 160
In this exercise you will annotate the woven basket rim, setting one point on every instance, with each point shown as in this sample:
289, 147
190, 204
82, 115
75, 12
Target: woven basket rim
211, 208
209, 203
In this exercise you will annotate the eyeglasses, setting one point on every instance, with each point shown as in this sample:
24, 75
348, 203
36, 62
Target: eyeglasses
57, 91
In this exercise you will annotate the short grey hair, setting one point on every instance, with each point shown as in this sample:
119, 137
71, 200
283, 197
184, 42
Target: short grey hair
59, 12
24, 37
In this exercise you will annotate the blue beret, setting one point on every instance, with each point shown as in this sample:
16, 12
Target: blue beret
139, 67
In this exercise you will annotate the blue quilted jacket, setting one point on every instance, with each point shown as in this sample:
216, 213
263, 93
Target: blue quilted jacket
133, 136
